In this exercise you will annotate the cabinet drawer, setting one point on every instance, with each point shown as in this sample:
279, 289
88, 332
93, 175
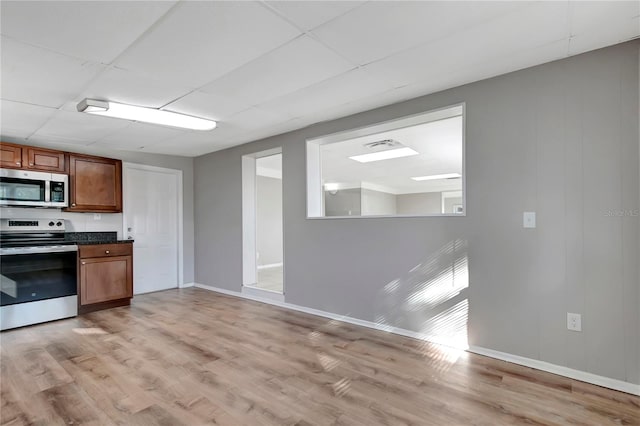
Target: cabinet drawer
105, 250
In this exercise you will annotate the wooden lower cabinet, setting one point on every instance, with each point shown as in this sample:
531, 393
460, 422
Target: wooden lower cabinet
105, 276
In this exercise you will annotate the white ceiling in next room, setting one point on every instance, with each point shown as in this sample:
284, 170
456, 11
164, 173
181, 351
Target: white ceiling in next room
265, 67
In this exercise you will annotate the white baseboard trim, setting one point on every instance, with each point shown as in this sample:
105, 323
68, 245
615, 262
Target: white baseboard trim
185, 285
582, 376
270, 265
261, 293
325, 314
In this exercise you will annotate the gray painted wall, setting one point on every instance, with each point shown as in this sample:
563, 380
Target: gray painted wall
108, 220
421, 203
269, 220
450, 202
345, 202
560, 139
377, 202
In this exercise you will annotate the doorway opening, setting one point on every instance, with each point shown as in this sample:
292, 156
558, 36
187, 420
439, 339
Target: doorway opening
263, 254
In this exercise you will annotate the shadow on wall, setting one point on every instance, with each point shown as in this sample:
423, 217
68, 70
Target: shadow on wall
432, 298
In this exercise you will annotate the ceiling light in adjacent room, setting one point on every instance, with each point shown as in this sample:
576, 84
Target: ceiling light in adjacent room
435, 177
384, 155
147, 115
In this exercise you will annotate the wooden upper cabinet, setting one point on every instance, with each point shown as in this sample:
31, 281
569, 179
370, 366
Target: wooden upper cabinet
95, 184
43, 159
31, 158
10, 156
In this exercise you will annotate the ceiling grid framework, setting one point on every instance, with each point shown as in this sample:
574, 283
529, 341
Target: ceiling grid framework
267, 67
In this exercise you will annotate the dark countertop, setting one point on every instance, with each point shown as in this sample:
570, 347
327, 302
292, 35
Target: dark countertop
88, 238
88, 243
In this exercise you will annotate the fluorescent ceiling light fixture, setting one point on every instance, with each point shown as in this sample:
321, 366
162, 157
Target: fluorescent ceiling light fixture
384, 155
435, 177
147, 115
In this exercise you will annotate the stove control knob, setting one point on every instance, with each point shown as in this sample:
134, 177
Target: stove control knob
59, 224
51, 223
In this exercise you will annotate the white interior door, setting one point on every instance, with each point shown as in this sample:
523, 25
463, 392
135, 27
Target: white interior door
152, 207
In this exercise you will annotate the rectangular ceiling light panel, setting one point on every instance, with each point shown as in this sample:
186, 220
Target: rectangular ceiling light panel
147, 115
384, 155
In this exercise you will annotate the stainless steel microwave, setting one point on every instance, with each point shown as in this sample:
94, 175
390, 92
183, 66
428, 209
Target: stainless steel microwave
33, 189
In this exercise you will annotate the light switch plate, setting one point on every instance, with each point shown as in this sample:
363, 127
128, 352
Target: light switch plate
529, 219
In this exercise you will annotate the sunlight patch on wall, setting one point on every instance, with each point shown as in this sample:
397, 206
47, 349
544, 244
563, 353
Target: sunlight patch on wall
432, 298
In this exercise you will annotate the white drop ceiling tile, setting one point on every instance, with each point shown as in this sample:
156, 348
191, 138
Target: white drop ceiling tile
200, 41
298, 64
520, 30
38, 76
255, 118
138, 135
23, 119
454, 77
123, 86
378, 29
502, 65
206, 105
80, 126
277, 129
194, 151
14, 135
310, 14
598, 24
347, 87
534, 25
94, 30
57, 142
192, 144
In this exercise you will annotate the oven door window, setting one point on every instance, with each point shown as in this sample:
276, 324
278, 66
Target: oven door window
13, 189
31, 277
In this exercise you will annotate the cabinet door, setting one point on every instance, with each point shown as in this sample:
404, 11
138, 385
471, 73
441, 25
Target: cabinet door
10, 156
103, 279
44, 159
96, 184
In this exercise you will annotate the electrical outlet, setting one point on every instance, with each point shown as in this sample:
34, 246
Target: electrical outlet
529, 220
97, 216
574, 322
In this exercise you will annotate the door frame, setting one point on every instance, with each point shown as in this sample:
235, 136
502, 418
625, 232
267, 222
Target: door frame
249, 225
178, 174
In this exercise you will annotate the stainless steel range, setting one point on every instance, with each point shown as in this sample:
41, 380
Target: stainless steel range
38, 268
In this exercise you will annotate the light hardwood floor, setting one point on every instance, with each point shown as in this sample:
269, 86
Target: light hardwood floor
195, 357
270, 279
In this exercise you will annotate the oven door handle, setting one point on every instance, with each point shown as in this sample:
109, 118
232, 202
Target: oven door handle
37, 250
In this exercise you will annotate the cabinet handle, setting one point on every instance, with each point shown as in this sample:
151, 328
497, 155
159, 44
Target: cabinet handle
106, 251
17, 163
73, 204
31, 164
84, 263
